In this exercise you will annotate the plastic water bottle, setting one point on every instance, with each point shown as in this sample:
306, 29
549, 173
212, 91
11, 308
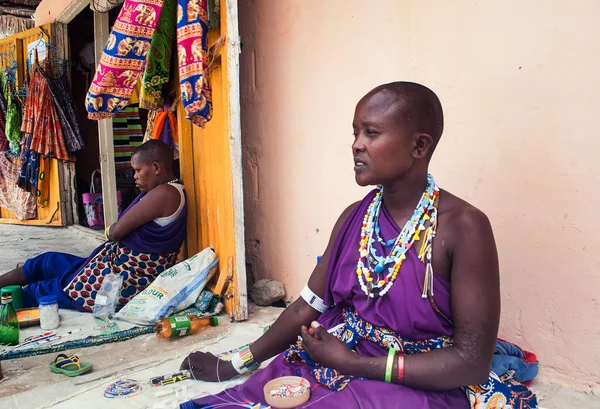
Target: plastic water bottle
174, 327
9, 323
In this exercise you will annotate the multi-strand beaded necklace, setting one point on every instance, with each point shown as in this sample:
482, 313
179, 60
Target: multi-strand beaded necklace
371, 267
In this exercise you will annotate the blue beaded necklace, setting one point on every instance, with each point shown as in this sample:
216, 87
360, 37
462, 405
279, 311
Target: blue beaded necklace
370, 262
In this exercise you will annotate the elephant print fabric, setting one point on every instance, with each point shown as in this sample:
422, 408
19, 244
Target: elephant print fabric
138, 37
124, 58
192, 31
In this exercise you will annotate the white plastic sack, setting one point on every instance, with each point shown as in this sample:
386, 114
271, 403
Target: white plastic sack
173, 290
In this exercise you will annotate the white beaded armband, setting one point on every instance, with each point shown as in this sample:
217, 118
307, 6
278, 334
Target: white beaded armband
313, 300
236, 360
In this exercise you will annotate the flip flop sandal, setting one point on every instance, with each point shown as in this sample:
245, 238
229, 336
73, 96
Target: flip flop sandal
69, 365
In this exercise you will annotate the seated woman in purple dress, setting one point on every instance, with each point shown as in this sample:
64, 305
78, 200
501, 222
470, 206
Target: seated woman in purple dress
142, 244
402, 311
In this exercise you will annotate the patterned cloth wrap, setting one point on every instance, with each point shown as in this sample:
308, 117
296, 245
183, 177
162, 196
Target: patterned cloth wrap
495, 393
137, 269
192, 33
123, 59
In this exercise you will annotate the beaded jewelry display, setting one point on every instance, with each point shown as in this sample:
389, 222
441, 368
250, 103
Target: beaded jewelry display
124, 388
371, 266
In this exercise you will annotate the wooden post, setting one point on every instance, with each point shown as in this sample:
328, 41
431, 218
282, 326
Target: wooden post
229, 20
105, 132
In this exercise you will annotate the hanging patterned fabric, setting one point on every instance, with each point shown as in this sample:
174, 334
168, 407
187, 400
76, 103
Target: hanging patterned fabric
127, 134
165, 129
124, 58
4, 145
150, 125
41, 120
13, 119
158, 66
3, 82
19, 202
192, 51
33, 174
28, 176
65, 107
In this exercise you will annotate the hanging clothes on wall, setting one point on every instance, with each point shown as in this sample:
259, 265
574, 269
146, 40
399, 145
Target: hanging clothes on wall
13, 118
127, 134
41, 119
124, 58
165, 129
33, 173
150, 125
4, 145
65, 107
3, 81
19, 202
160, 55
192, 50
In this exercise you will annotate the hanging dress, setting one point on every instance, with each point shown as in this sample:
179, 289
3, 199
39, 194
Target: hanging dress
41, 119
65, 107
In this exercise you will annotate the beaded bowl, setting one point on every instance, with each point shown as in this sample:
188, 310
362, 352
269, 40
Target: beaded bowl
287, 392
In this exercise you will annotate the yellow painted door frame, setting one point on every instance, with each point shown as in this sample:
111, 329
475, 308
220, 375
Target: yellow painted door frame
211, 168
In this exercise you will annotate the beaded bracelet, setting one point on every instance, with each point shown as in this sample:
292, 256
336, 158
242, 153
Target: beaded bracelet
390, 365
400, 378
248, 359
238, 365
244, 361
313, 299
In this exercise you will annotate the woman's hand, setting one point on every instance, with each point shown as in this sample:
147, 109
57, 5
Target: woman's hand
326, 349
203, 366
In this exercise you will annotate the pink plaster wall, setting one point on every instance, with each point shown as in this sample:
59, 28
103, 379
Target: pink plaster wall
520, 86
47, 11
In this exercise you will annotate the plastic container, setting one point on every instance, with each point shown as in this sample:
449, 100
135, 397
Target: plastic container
9, 323
49, 317
300, 385
174, 327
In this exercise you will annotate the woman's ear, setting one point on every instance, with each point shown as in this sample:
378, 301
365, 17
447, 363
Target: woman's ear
156, 166
423, 145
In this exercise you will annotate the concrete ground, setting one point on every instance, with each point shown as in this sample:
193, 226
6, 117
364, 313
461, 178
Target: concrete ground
28, 383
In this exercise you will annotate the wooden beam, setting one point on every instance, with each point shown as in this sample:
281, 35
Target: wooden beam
229, 20
17, 11
72, 10
105, 133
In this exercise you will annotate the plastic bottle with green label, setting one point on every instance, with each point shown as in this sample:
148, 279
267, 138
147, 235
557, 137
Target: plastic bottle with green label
174, 327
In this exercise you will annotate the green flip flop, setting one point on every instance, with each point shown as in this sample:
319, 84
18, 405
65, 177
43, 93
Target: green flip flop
69, 365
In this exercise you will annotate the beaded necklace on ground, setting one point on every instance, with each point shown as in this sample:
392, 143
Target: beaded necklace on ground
371, 266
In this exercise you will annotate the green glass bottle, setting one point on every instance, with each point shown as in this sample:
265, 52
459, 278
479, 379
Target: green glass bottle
9, 323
